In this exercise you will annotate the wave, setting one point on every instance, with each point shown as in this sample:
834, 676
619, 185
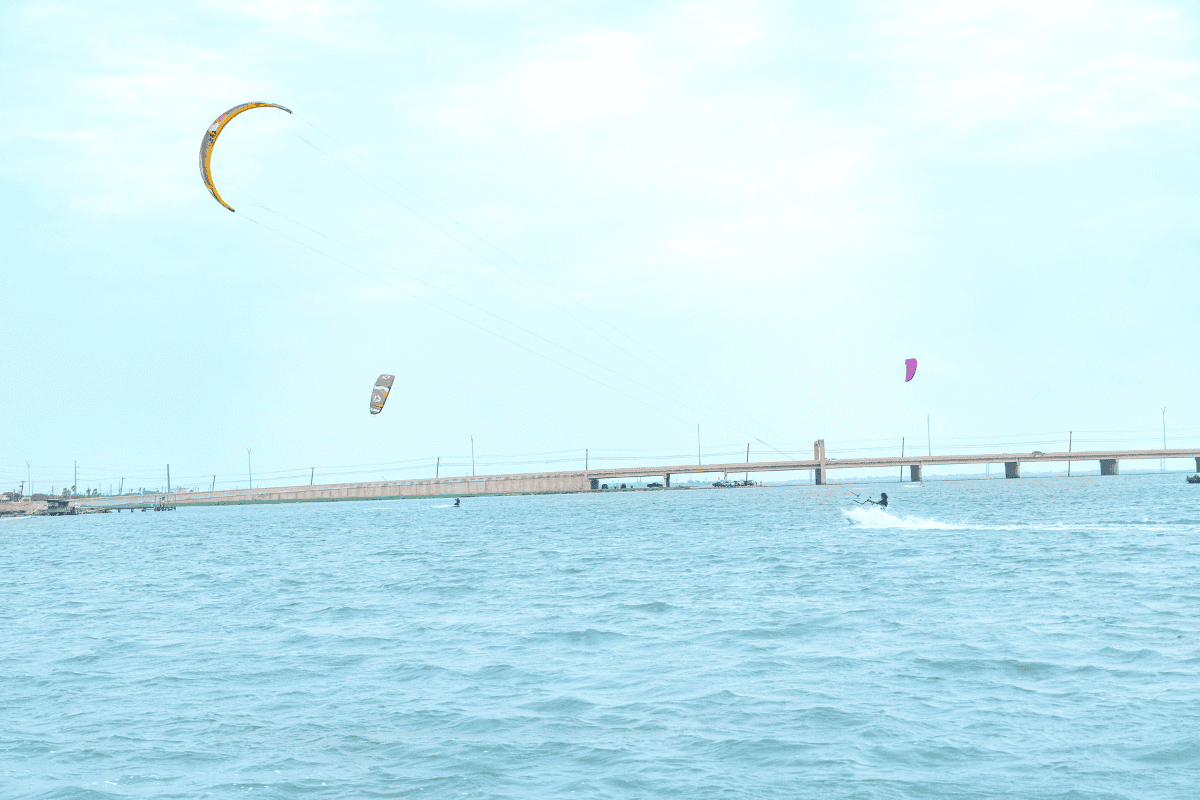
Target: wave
880, 518
874, 517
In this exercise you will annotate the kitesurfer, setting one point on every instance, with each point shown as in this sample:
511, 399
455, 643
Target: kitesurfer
457, 501
881, 502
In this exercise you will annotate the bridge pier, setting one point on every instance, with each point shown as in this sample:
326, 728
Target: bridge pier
667, 481
914, 473
1197, 463
819, 476
595, 484
1012, 469
1108, 466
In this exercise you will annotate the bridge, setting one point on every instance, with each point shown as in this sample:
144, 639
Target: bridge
592, 479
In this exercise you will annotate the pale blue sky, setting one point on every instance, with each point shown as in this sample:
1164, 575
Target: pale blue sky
781, 200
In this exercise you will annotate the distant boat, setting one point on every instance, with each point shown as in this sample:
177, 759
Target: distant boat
1193, 478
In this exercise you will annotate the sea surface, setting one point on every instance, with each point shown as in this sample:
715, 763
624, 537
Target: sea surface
1024, 639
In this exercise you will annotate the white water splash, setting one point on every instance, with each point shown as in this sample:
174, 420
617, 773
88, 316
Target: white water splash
875, 517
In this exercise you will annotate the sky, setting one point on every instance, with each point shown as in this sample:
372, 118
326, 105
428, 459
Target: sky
570, 226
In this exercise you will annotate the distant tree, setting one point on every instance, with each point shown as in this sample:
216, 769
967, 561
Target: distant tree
66, 493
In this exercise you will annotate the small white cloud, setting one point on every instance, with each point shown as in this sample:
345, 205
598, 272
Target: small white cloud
699, 246
1133, 90
277, 9
579, 80
597, 75
728, 24
372, 294
1069, 63
955, 12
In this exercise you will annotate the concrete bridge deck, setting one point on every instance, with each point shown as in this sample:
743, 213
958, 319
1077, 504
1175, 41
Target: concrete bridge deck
820, 464
590, 480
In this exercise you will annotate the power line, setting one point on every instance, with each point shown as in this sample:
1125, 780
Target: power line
458, 317
480, 309
461, 300
523, 266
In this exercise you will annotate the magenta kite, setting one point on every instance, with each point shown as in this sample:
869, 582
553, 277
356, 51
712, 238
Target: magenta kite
910, 369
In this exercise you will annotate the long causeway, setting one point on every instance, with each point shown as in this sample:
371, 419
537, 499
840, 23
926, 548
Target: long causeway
594, 479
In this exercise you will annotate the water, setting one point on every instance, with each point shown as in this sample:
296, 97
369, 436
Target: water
1023, 639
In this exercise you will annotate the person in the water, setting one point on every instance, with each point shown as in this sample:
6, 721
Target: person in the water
881, 502
456, 502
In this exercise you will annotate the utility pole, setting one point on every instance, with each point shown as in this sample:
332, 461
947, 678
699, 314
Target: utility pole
585, 460
168, 478
28, 478
472, 455
121, 487
1162, 463
928, 440
312, 475
214, 485
1070, 443
437, 469
249, 471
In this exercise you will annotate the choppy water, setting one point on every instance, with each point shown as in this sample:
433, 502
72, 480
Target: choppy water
1023, 639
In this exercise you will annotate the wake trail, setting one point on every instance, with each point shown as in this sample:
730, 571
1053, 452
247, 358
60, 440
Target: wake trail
879, 518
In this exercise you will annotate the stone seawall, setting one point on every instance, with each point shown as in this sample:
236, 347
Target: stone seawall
543, 483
